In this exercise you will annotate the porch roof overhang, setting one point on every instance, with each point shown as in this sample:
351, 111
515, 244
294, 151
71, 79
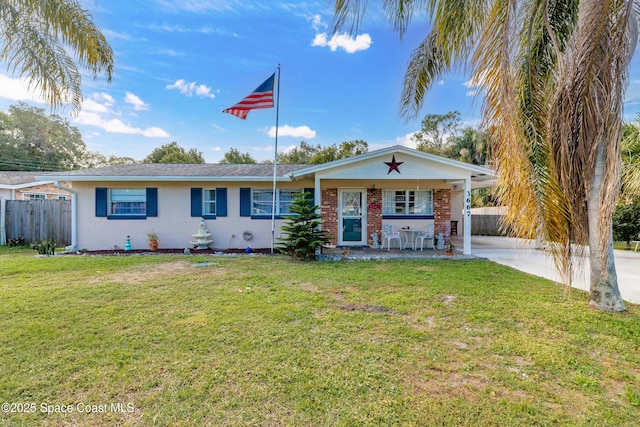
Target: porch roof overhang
420, 165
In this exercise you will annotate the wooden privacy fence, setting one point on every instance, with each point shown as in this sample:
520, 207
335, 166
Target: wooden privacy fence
38, 220
486, 225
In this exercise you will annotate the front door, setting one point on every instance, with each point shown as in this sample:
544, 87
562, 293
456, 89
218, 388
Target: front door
353, 223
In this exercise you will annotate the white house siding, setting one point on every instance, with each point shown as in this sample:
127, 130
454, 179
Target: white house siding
174, 224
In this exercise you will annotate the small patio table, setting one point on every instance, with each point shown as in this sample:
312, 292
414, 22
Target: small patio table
410, 233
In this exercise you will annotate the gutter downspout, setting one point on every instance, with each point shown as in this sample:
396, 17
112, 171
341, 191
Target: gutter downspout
74, 215
3, 231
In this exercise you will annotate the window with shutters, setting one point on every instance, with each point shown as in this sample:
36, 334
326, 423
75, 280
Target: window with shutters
128, 201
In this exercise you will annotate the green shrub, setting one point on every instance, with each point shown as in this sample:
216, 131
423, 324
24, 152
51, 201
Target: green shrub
18, 241
46, 247
304, 237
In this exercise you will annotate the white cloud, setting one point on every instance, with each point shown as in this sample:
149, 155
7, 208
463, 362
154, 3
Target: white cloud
343, 41
18, 90
118, 126
191, 88
407, 140
105, 98
91, 105
138, 104
298, 132
316, 22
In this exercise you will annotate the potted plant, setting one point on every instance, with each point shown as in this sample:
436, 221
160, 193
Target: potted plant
450, 249
153, 240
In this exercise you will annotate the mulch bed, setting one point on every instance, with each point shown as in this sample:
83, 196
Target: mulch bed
263, 251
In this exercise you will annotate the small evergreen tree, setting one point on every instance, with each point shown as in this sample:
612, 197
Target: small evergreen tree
303, 234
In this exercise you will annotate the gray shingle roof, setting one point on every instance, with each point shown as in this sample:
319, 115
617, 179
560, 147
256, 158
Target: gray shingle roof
213, 170
18, 177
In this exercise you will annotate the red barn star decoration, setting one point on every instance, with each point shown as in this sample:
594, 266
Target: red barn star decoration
393, 165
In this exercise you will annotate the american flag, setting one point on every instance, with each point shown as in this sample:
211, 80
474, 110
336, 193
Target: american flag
262, 97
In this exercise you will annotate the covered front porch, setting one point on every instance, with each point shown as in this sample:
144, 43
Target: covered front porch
368, 253
363, 196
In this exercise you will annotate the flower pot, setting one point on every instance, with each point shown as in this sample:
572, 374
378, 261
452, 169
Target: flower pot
153, 245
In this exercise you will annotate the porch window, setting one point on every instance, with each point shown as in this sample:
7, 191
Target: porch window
262, 201
407, 202
209, 201
128, 201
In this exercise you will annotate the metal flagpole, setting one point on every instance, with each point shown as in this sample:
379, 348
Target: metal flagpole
275, 167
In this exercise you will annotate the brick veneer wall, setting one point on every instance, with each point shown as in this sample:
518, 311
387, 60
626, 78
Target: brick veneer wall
50, 191
329, 210
442, 212
374, 214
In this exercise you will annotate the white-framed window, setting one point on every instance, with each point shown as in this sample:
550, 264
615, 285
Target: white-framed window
209, 201
131, 201
62, 197
407, 202
262, 201
34, 196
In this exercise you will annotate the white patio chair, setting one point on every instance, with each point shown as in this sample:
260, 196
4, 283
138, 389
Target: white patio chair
389, 233
426, 234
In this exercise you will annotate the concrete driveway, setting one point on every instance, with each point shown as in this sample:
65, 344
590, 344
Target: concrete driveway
521, 255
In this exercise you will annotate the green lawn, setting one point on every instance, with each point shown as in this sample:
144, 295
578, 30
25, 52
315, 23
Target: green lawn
268, 342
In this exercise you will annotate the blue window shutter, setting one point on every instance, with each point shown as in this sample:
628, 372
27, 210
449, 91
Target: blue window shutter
101, 202
196, 202
221, 202
311, 196
245, 202
152, 201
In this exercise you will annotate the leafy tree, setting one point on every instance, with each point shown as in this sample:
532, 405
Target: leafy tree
97, 160
173, 153
336, 152
299, 155
470, 146
626, 221
437, 132
235, 157
309, 154
304, 236
30, 140
554, 75
45, 41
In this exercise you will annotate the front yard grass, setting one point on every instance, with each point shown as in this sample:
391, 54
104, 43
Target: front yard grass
270, 342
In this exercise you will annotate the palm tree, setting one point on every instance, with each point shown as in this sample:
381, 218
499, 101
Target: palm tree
39, 40
554, 74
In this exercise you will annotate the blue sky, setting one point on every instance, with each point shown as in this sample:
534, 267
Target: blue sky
178, 64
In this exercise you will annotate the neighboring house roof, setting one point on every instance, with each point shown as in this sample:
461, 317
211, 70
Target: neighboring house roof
175, 172
21, 179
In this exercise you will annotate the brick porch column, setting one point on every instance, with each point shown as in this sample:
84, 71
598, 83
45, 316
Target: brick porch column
329, 210
442, 212
374, 214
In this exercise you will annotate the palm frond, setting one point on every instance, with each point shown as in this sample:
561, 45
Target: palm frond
42, 41
448, 44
